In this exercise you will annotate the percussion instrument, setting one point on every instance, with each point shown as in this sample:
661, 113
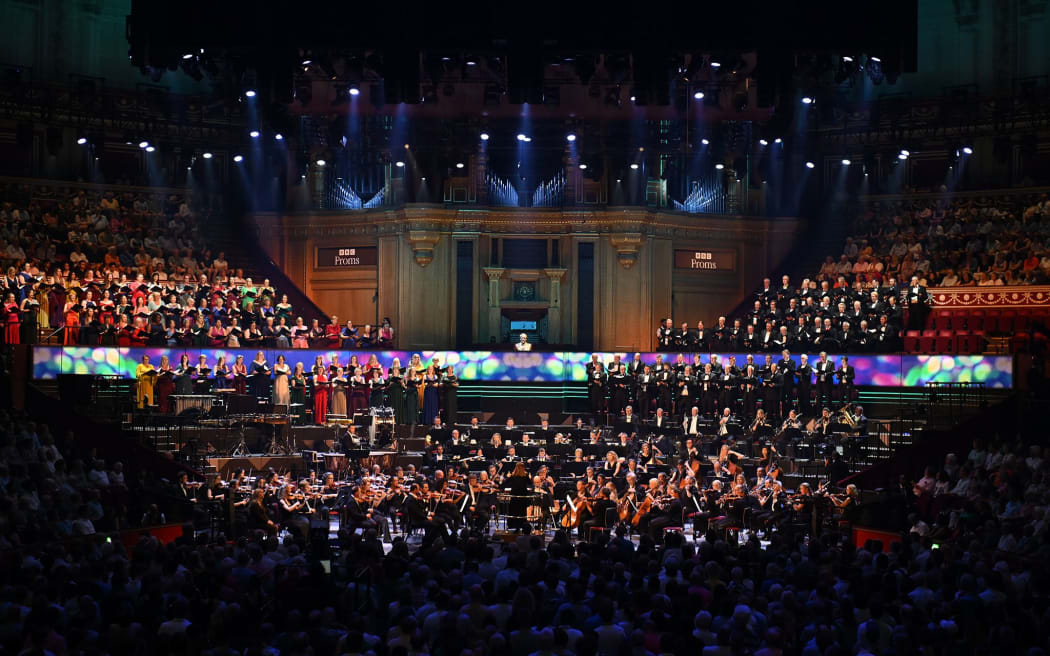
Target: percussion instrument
335, 462
183, 402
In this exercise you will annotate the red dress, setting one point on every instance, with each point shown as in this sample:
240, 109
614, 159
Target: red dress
72, 331
13, 320
320, 397
165, 387
240, 383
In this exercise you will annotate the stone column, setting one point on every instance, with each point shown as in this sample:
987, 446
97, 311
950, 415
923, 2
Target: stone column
494, 274
554, 312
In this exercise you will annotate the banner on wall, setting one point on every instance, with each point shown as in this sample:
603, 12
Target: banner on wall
708, 259
344, 257
557, 367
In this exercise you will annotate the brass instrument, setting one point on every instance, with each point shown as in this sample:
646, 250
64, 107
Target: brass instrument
847, 416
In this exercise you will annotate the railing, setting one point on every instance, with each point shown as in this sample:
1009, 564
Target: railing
991, 297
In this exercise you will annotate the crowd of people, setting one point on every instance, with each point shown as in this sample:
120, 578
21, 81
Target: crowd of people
966, 578
985, 241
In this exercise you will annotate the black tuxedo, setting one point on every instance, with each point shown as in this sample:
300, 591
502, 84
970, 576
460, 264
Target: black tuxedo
702, 340
804, 373
845, 377
825, 380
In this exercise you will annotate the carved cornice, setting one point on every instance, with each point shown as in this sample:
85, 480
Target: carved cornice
555, 274
422, 242
493, 273
641, 222
627, 246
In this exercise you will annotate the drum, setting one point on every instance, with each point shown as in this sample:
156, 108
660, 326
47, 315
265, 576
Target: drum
200, 402
335, 462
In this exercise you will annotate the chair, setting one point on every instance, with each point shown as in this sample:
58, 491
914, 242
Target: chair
945, 342
968, 343
1007, 320
911, 341
927, 341
991, 321
1023, 320
974, 320
943, 320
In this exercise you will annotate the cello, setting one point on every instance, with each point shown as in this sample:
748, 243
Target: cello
571, 518
643, 510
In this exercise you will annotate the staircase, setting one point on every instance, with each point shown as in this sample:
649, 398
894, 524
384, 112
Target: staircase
241, 245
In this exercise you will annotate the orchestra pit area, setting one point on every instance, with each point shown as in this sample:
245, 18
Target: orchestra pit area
690, 333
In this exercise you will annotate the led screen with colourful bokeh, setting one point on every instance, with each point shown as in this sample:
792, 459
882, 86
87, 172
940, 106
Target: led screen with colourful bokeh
561, 366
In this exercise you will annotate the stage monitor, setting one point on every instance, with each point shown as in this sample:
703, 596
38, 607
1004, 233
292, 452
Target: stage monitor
522, 326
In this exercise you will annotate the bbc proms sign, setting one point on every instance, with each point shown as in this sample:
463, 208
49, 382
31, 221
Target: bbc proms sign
347, 257
705, 260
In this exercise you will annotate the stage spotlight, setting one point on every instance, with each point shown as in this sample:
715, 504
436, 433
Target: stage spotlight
874, 59
188, 55
902, 155
143, 144
847, 58
720, 166
583, 167
704, 141
399, 164
967, 150
810, 165
484, 136
778, 140
254, 134
320, 162
845, 162
278, 137
238, 158
763, 142
150, 149
716, 64
81, 141
206, 155
460, 165
471, 61
905, 152
354, 90
632, 98
307, 62
634, 167
406, 146
521, 137
699, 95
570, 137
250, 93
806, 100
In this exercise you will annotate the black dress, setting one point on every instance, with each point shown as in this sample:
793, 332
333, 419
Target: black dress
450, 400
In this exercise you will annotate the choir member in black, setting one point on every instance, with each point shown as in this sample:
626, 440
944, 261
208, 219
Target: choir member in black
665, 388
804, 375
417, 515
701, 338
707, 382
918, 304
665, 336
643, 387
183, 376
728, 387
786, 366
749, 342
201, 383
259, 377
596, 386
846, 375
683, 338
825, 371
749, 391
375, 389
721, 337
773, 390
618, 388
685, 391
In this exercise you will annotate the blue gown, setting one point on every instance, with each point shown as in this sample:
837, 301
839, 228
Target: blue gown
430, 400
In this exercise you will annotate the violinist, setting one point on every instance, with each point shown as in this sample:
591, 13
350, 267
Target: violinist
445, 495
475, 504
847, 505
363, 512
599, 509
294, 506
801, 506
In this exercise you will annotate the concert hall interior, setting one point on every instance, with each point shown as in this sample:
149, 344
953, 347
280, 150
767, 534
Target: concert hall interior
334, 328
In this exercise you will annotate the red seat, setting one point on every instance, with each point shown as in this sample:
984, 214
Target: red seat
1019, 342
974, 320
942, 320
945, 342
991, 321
927, 341
911, 341
968, 343
1007, 320
1023, 320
